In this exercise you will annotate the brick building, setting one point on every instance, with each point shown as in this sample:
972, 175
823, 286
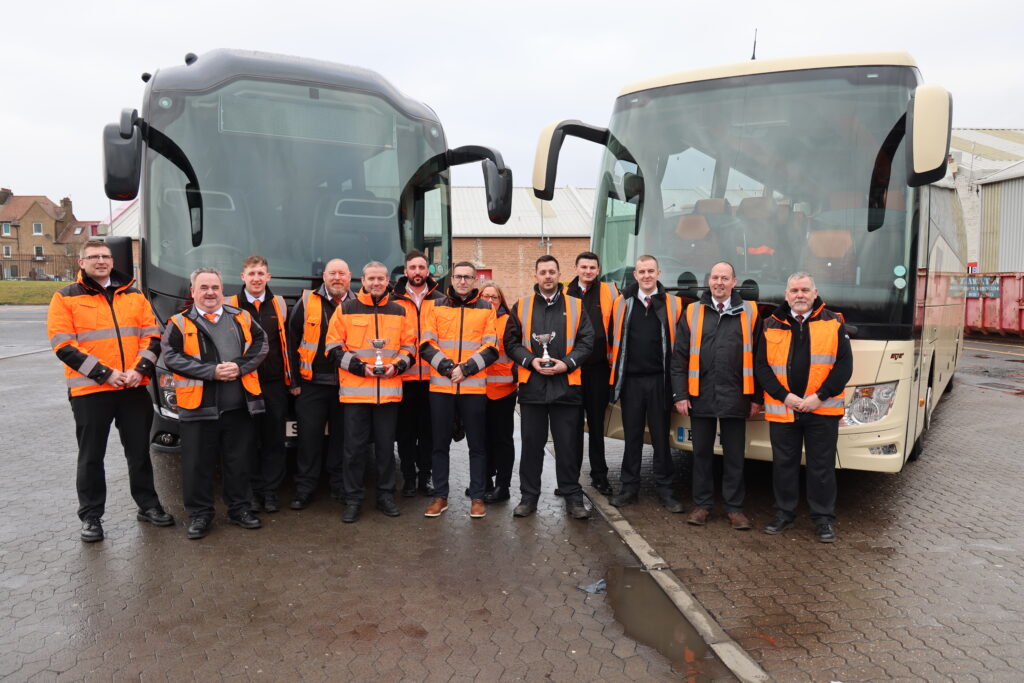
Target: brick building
39, 239
506, 253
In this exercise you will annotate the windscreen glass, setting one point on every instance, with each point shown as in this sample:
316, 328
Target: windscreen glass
298, 174
776, 173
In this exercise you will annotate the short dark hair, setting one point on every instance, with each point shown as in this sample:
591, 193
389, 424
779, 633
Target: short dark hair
415, 253
463, 264
255, 260
546, 258
589, 256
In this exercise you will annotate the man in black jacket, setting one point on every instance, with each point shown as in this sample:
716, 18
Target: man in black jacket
213, 350
642, 330
316, 386
713, 383
804, 364
598, 298
550, 394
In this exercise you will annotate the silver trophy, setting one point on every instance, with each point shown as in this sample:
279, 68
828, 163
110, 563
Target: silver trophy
379, 368
544, 340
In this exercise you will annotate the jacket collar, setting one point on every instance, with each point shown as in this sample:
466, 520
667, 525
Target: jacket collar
118, 281
735, 302
558, 291
456, 300
783, 313
365, 297
402, 286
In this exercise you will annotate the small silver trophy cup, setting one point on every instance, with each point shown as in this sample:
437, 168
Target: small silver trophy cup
378, 365
544, 340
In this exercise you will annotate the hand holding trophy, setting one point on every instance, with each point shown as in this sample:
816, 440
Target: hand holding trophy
544, 340
379, 368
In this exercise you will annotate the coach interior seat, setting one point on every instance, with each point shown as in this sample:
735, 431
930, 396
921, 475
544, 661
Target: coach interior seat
358, 227
696, 244
830, 256
760, 232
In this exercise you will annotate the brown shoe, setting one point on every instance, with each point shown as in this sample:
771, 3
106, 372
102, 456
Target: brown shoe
698, 517
477, 509
436, 507
738, 520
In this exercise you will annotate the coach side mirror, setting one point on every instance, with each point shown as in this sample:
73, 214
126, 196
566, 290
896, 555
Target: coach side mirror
929, 126
122, 157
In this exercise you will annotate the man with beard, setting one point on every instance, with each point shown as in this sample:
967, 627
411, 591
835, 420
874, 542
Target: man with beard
804, 364
459, 344
415, 291
713, 383
316, 385
643, 331
598, 299
550, 391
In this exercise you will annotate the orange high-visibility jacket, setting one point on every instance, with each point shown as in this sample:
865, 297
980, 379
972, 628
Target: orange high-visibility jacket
93, 335
573, 311
352, 326
459, 332
824, 328
607, 292
668, 308
281, 308
695, 324
501, 374
420, 369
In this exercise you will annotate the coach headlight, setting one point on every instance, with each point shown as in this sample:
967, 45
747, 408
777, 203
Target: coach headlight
165, 391
870, 403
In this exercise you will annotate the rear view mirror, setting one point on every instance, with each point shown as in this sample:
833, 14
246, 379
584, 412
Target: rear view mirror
929, 126
497, 178
545, 163
122, 158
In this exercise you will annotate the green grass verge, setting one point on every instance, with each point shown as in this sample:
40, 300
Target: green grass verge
27, 291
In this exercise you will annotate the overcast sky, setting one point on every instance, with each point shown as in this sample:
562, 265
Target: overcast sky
496, 73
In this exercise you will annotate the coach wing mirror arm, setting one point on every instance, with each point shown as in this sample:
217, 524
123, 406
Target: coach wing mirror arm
497, 178
549, 145
122, 164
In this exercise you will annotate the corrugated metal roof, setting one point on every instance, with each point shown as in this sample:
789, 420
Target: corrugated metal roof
1008, 173
568, 214
984, 151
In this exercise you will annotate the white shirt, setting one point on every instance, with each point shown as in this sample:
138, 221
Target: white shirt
216, 314
724, 303
104, 285
417, 295
252, 298
645, 297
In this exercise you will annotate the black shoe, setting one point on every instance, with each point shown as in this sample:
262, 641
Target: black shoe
255, 505
778, 525
600, 482
246, 520
386, 504
497, 495
198, 528
409, 488
526, 507
576, 506
426, 488
300, 501
558, 492
670, 503
825, 532
155, 516
351, 513
624, 498
92, 530
270, 503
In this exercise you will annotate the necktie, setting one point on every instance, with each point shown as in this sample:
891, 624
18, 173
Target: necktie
647, 302
799, 318
721, 308
212, 317
549, 299
256, 304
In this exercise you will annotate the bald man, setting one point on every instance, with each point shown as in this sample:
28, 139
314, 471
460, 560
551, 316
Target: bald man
315, 385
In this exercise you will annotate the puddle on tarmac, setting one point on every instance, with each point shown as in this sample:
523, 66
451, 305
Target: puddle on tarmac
649, 617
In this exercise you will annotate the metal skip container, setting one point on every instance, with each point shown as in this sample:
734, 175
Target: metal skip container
995, 304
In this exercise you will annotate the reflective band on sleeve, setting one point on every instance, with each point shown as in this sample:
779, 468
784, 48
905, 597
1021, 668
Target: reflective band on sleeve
479, 360
148, 355
437, 360
332, 345
489, 339
428, 334
58, 339
347, 358
146, 331
307, 345
409, 348
90, 363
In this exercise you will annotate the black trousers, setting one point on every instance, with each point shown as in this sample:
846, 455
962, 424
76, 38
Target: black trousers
363, 421
229, 440
415, 439
645, 402
317, 407
131, 411
817, 435
596, 393
564, 421
267, 469
501, 444
472, 409
734, 437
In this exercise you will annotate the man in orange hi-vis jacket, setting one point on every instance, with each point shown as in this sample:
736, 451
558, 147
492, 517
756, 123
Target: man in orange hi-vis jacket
372, 340
103, 330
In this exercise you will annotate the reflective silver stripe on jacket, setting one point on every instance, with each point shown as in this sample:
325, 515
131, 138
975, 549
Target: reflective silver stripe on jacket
489, 339
80, 382
307, 345
87, 366
147, 331
428, 334
778, 369
834, 403
500, 379
776, 409
822, 359
751, 319
694, 317
574, 312
148, 355
454, 344
107, 333
332, 345
58, 339
470, 382
369, 391
186, 383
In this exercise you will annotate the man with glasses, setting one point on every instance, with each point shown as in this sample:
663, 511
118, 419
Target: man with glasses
103, 330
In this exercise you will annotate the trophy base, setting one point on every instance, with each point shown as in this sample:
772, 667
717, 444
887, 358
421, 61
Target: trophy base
380, 372
547, 364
